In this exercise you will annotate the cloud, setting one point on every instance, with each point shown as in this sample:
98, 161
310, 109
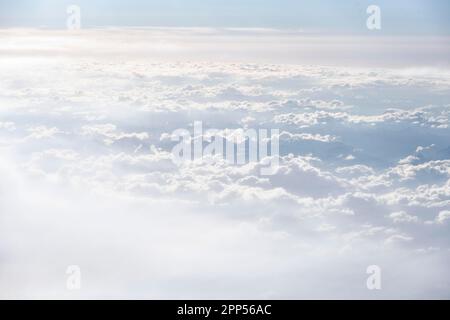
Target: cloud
443, 217
88, 176
42, 132
402, 216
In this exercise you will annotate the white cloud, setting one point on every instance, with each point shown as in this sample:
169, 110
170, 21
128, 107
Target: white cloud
10, 126
42, 132
364, 161
402, 216
443, 217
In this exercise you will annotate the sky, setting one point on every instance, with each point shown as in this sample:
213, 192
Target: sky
399, 17
86, 150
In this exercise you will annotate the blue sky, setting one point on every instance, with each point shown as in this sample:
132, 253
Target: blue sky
399, 17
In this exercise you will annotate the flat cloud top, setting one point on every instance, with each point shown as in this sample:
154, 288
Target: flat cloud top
261, 45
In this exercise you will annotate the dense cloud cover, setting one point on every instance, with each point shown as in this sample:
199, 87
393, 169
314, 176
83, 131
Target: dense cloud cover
88, 177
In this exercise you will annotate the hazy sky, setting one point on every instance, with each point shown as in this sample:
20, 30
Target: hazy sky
401, 16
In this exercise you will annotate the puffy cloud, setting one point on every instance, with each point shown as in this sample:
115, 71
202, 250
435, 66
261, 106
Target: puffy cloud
398, 238
7, 126
402, 216
110, 133
306, 136
443, 217
42, 132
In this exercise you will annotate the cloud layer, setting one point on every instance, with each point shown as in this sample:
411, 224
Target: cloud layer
88, 177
